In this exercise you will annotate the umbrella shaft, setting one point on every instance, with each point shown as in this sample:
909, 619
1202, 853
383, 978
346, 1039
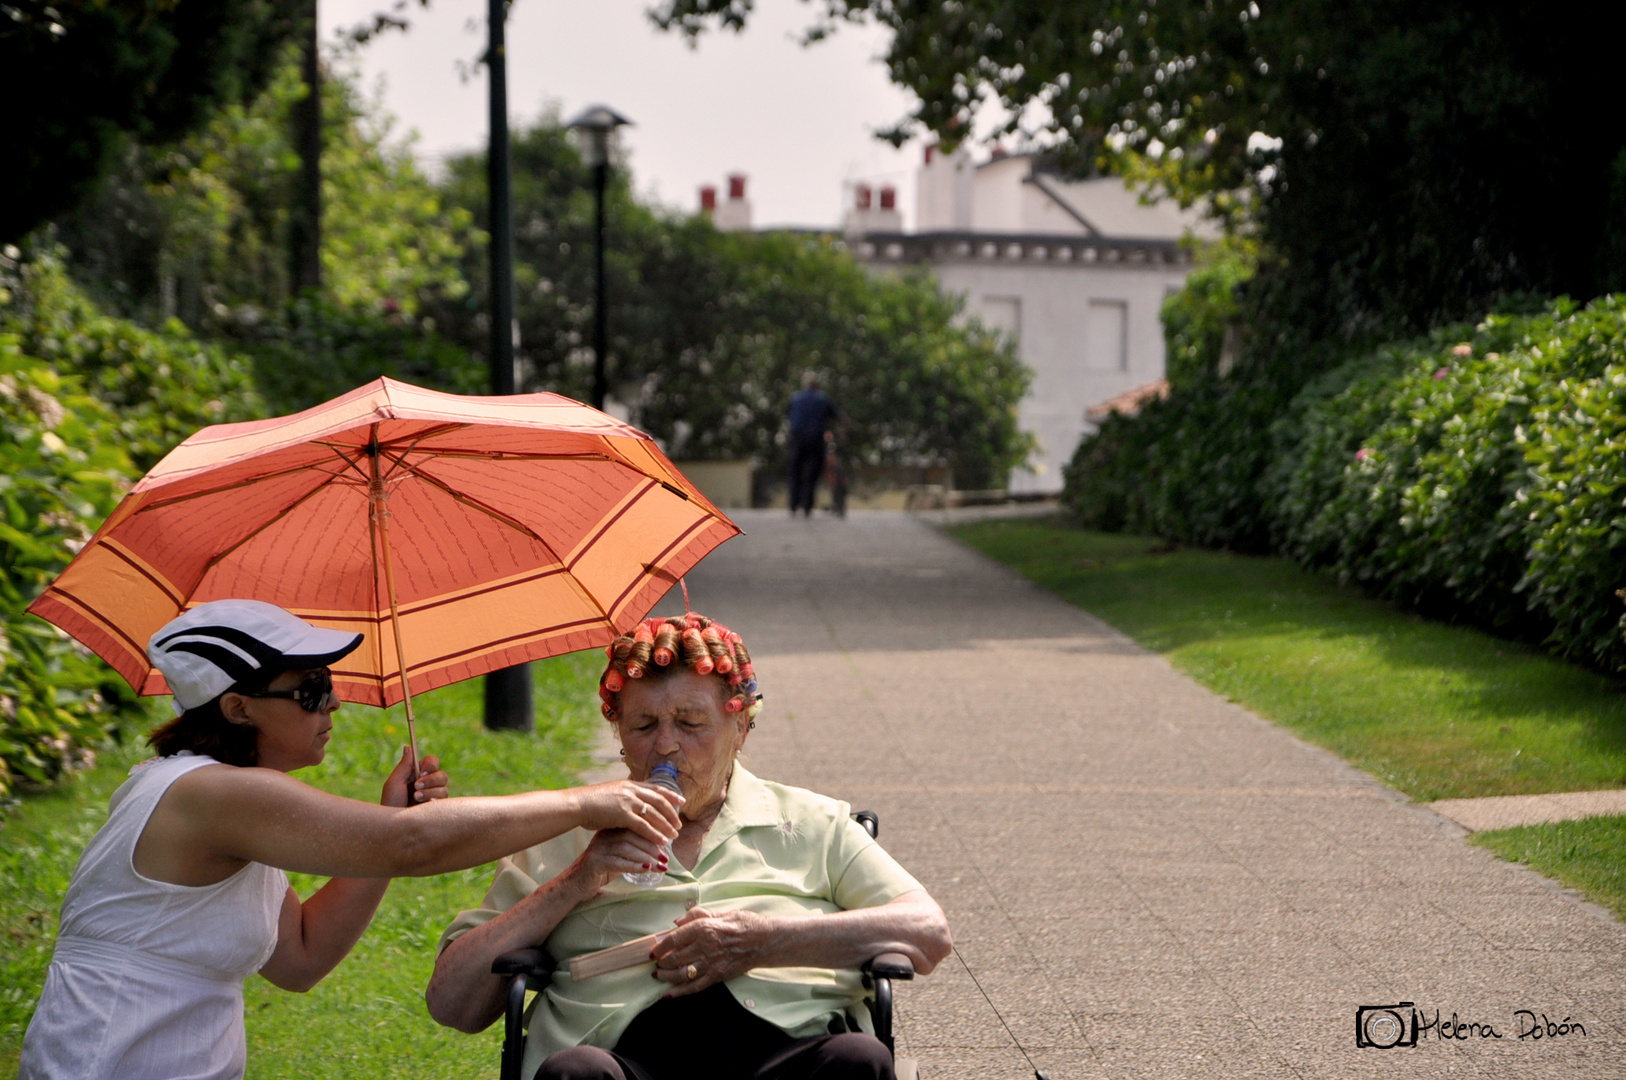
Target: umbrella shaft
381, 516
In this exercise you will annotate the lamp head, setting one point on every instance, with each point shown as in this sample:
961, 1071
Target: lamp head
596, 125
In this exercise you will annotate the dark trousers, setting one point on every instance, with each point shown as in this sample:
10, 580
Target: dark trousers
710, 1036
806, 463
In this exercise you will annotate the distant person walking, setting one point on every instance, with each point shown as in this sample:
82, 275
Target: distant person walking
811, 413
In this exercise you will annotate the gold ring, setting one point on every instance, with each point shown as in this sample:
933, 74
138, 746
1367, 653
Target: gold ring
692, 972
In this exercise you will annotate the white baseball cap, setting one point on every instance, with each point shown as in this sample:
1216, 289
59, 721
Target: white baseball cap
208, 650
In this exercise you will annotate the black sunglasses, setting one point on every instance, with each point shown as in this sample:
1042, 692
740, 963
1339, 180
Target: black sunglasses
314, 694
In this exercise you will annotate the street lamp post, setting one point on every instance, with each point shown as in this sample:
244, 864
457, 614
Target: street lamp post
598, 124
507, 690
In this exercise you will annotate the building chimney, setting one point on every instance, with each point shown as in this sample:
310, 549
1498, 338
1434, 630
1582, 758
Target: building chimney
864, 216
708, 198
735, 214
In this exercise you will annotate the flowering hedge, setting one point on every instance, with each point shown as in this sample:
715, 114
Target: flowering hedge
86, 401
60, 473
1476, 475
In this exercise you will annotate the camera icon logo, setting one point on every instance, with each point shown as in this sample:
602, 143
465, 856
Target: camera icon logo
1386, 1026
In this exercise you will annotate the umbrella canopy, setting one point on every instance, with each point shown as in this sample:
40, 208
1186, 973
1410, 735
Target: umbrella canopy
511, 528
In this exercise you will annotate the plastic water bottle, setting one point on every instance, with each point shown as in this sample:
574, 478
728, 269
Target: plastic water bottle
663, 775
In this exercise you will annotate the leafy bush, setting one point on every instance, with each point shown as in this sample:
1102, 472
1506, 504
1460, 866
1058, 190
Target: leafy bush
315, 350
1187, 467
60, 473
160, 385
1473, 475
86, 403
914, 386
199, 228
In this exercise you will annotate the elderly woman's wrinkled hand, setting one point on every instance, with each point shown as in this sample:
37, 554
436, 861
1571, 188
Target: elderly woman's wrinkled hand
616, 851
709, 948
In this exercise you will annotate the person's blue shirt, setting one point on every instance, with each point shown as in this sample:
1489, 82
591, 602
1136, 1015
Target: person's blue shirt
811, 412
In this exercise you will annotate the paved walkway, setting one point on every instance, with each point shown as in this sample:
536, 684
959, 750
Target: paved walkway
1148, 881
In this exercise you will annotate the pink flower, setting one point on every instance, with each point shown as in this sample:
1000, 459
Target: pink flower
1442, 373
1462, 350
1362, 454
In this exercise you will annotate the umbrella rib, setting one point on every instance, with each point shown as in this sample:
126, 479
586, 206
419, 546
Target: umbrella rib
413, 446
215, 559
506, 455
157, 504
352, 463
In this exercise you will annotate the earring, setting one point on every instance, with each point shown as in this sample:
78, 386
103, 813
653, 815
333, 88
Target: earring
623, 751
750, 726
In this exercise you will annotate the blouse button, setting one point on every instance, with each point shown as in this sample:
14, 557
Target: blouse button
689, 903
750, 1003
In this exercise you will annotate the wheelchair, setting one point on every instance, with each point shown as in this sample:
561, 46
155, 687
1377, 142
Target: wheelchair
532, 969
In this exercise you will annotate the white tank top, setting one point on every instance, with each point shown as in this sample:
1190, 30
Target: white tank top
147, 978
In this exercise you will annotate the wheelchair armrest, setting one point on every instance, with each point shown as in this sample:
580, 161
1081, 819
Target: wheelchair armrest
890, 966
534, 961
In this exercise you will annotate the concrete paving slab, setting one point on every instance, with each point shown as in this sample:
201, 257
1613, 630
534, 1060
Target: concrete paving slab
1512, 811
1150, 880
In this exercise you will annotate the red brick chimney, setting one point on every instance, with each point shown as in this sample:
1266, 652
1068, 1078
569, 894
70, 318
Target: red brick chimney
889, 197
708, 198
736, 185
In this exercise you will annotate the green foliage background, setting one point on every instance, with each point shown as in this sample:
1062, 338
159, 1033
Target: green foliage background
84, 399
80, 77
1474, 474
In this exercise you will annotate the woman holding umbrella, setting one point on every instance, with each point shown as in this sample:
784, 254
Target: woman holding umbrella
182, 894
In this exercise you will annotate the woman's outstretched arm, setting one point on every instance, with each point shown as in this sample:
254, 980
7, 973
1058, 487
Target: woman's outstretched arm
314, 935
220, 815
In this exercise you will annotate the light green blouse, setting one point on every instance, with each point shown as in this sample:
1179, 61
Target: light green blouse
773, 849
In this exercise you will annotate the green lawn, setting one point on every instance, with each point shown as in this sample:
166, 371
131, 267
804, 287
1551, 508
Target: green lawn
1433, 710
1585, 855
367, 1019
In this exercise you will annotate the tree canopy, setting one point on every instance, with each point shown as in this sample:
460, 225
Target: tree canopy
1410, 160
81, 74
710, 332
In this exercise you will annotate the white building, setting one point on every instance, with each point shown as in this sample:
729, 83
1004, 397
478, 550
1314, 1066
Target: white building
1075, 271
733, 215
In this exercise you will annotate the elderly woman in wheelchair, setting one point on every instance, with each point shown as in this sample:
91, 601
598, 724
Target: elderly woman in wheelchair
772, 899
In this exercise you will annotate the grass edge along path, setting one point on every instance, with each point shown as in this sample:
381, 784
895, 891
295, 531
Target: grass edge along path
1435, 711
367, 1019
1588, 855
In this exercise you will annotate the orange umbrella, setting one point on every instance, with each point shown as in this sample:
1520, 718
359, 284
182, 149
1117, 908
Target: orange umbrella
460, 535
